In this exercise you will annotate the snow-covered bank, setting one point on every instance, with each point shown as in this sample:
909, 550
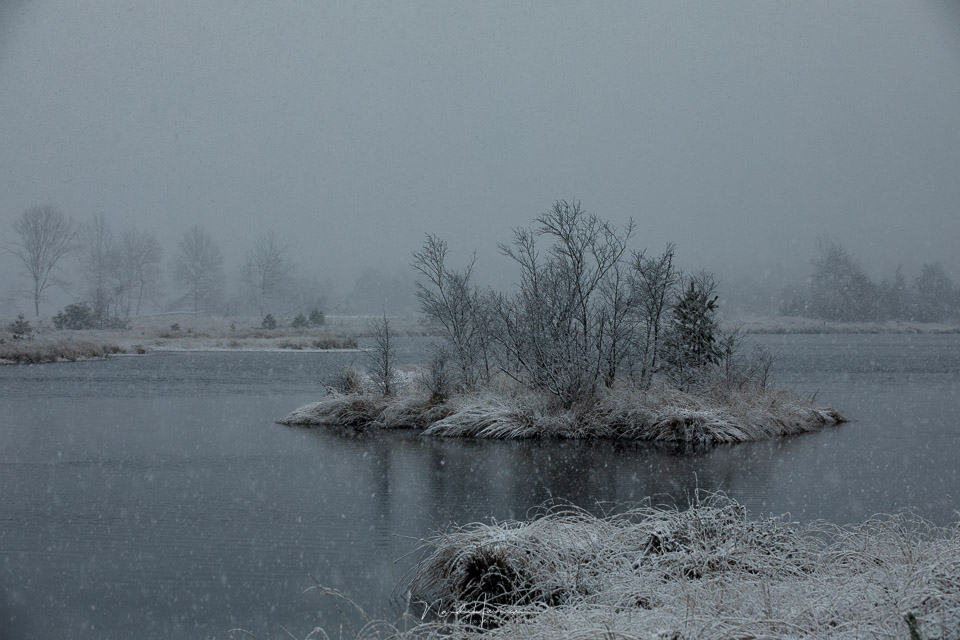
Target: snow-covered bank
660, 414
800, 325
197, 333
707, 572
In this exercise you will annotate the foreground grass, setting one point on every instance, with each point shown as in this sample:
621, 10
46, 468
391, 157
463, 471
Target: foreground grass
707, 572
659, 414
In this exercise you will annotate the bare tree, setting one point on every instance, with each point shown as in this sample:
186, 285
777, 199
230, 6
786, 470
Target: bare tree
383, 356
198, 268
139, 255
97, 262
449, 297
652, 282
44, 237
557, 327
266, 267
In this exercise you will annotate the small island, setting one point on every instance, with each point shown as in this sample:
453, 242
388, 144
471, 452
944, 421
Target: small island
595, 342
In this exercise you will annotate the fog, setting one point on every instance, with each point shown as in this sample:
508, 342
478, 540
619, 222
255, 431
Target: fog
740, 132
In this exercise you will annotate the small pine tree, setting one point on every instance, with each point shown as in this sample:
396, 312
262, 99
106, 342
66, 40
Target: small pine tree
75, 316
20, 328
692, 340
317, 318
269, 322
300, 322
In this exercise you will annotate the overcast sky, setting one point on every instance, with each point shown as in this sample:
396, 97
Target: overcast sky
742, 131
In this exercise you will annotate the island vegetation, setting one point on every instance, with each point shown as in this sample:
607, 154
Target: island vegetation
596, 341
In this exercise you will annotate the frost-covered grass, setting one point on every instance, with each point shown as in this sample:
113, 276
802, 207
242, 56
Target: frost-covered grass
663, 413
655, 573
707, 572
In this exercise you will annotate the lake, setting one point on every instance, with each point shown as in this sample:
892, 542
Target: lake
154, 497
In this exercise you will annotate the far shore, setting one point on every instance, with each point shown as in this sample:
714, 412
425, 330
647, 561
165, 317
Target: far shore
185, 332
758, 324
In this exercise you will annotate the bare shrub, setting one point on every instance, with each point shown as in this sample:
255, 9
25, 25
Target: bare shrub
438, 378
383, 356
345, 381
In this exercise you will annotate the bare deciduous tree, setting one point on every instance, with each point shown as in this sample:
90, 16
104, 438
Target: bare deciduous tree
44, 237
97, 261
266, 267
449, 297
198, 268
139, 254
383, 356
653, 282
557, 326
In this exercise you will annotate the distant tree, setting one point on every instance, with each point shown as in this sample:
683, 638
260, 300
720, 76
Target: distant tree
198, 268
300, 322
269, 322
265, 268
935, 295
894, 297
317, 317
44, 237
839, 287
98, 261
793, 300
139, 255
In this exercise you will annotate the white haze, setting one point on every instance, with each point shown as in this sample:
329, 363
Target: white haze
741, 131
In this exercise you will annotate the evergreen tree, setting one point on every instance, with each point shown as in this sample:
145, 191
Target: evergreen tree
692, 343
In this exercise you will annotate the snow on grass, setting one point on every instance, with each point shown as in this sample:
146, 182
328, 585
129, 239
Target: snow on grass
660, 414
707, 572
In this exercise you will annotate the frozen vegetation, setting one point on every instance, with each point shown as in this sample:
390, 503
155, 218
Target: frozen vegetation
658, 573
706, 572
661, 413
595, 343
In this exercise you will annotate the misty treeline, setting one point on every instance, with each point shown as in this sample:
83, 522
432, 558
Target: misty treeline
840, 290
587, 313
116, 274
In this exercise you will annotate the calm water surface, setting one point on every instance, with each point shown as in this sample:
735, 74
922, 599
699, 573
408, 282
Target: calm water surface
153, 497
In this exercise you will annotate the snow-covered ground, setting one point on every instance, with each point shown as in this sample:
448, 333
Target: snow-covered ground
796, 324
192, 332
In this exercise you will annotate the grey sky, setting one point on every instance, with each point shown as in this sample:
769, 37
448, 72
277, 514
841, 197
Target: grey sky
742, 131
